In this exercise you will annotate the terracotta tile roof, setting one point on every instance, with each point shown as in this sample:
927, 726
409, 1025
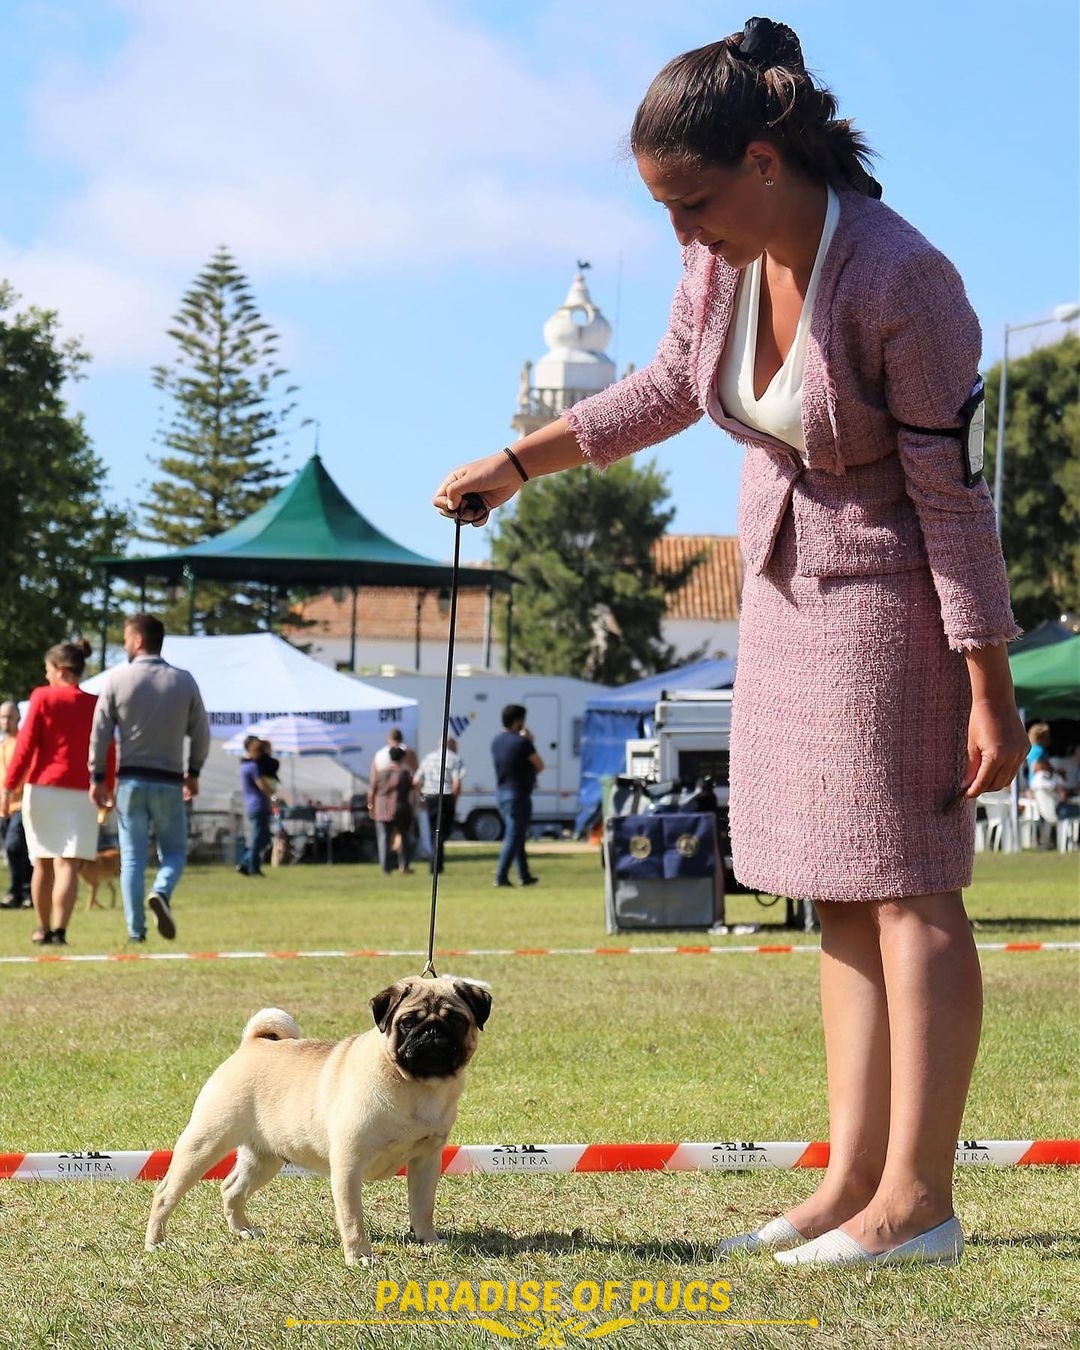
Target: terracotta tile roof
716, 583
712, 593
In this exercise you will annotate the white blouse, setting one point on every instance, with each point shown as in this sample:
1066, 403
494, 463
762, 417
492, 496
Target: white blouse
778, 412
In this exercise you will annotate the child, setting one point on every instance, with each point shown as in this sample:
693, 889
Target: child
269, 769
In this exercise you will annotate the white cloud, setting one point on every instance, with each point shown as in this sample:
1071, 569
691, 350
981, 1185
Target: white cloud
329, 134
118, 314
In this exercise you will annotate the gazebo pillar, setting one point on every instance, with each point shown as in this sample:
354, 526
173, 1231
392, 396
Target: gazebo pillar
352, 632
189, 577
419, 609
106, 591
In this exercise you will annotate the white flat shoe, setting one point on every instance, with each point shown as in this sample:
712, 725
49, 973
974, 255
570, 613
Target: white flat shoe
775, 1236
940, 1246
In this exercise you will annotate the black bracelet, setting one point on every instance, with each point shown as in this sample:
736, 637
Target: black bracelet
516, 463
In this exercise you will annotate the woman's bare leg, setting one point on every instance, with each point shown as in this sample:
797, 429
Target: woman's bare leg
855, 1017
65, 890
41, 890
934, 989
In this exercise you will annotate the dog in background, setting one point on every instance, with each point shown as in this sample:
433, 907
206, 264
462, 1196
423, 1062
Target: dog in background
102, 870
356, 1110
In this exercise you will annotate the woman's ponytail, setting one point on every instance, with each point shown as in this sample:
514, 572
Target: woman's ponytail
709, 104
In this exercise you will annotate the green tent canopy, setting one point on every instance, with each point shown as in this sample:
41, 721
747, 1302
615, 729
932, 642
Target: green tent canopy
309, 534
1047, 680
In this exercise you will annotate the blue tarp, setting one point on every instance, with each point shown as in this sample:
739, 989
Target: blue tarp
625, 714
1042, 635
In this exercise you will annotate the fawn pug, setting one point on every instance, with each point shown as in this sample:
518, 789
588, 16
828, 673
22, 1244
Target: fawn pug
356, 1110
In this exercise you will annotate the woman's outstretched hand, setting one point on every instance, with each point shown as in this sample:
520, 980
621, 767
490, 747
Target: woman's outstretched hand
471, 492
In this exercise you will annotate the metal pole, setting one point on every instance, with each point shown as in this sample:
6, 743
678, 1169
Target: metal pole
999, 458
105, 597
1061, 314
419, 607
352, 632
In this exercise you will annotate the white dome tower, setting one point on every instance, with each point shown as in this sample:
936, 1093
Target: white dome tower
575, 364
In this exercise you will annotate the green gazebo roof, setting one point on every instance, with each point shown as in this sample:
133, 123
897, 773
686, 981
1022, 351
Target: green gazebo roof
1047, 679
310, 534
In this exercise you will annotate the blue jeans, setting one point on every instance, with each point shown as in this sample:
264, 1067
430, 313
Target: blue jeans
18, 859
258, 841
140, 801
516, 811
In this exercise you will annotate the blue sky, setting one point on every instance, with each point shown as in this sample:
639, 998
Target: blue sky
408, 187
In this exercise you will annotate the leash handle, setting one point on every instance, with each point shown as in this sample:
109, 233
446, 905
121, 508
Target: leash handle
472, 509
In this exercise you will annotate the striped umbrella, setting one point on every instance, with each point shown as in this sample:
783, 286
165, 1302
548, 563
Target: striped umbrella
294, 734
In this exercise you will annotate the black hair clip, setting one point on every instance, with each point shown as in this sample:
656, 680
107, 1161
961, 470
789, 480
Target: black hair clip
765, 43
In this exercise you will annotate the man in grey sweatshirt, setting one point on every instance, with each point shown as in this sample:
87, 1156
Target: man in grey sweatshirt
154, 707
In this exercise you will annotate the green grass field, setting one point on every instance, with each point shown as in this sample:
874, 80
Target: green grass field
580, 1048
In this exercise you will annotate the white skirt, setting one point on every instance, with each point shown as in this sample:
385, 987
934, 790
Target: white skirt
59, 822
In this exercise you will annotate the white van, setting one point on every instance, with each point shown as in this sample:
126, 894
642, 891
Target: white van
555, 714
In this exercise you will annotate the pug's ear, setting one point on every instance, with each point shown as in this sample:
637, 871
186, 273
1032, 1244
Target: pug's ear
386, 1003
476, 998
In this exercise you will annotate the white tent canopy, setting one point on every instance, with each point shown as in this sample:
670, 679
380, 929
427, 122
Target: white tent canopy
246, 679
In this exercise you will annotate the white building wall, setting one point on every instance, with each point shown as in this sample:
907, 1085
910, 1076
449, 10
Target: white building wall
685, 635
370, 655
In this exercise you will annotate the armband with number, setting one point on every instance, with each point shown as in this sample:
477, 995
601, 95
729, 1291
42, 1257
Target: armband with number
970, 433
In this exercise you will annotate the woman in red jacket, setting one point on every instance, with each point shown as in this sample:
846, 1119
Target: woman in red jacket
50, 764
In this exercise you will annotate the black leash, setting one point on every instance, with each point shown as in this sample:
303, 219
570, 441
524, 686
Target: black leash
470, 507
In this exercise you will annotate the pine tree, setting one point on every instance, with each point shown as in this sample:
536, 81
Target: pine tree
55, 519
593, 601
230, 406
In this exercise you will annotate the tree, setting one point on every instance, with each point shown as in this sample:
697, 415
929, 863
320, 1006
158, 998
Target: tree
593, 601
55, 519
1041, 496
229, 408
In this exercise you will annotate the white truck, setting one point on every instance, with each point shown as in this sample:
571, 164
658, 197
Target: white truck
555, 713
693, 733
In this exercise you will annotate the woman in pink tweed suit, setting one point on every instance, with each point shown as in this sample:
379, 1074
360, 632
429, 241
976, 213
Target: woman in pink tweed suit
873, 697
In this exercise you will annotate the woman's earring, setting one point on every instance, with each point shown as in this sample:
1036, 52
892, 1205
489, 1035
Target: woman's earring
770, 182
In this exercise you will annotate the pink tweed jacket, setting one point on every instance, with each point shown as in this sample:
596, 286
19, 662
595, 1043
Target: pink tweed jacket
893, 340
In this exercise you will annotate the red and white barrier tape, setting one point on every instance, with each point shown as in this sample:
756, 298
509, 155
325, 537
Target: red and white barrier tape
774, 949
550, 1159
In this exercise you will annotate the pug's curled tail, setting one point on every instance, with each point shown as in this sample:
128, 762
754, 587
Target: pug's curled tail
271, 1024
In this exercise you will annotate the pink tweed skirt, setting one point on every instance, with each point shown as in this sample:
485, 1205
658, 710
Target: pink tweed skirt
849, 735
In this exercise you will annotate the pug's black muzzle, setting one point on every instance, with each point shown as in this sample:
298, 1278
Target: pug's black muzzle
431, 1051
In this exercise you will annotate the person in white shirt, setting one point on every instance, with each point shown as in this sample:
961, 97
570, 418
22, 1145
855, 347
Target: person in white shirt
381, 758
439, 796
